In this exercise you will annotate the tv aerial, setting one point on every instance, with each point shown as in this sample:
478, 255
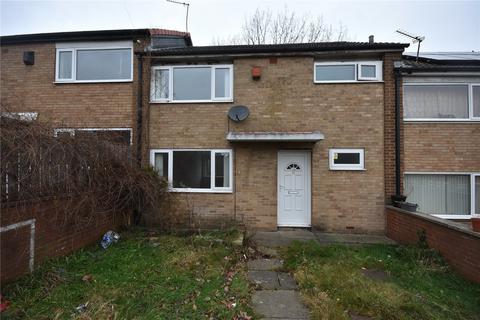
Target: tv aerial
414, 38
187, 5
238, 113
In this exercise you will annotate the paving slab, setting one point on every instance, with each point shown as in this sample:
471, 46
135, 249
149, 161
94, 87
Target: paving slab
264, 280
281, 238
332, 238
264, 264
286, 281
268, 251
279, 304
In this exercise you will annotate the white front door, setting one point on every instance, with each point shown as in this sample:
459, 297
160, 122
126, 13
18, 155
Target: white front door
294, 195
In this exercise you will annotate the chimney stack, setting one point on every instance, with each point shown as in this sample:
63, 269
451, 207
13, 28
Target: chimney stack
371, 39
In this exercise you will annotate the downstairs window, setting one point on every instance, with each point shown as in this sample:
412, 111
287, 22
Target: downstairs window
454, 196
194, 170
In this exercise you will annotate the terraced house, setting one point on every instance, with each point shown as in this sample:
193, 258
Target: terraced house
318, 135
294, 135
441, 121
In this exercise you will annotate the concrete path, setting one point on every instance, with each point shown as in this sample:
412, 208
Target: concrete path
285, 237
276, 296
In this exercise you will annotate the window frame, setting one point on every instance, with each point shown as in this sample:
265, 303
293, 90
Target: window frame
212, 189
470, 101
472, 176
72, 131
357, 72
470, 86
75, 47
346, 167
212, 67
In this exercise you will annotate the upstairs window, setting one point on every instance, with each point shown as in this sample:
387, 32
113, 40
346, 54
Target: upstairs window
192, 83
441, 101
354, 71
94, 62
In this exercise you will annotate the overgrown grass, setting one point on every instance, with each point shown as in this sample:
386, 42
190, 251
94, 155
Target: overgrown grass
418, 283
141, 277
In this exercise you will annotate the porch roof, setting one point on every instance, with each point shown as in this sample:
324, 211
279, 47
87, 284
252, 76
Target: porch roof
312, 136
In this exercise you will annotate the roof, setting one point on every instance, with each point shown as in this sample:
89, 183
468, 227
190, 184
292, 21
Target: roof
166, 32
445, 57
118, 34
279, 48
440, 62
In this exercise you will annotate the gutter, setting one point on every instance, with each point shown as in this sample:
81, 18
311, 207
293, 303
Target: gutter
175, 56
139, 128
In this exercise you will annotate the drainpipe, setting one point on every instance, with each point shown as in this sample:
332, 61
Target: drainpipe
398, 192
139, 109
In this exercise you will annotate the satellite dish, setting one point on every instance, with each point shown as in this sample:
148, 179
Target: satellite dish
238, 113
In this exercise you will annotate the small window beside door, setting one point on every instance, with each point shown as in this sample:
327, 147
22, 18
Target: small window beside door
346, 159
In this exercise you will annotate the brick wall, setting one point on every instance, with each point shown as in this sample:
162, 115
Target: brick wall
55, 234
389, 92
459, 246
442, 147
286, 99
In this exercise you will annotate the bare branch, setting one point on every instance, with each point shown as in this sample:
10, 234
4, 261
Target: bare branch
264, 27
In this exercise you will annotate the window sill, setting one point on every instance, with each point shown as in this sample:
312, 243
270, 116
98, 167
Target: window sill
192, 101
442, 120
453, 217
346, 82
93, 81
347, 169
199, 191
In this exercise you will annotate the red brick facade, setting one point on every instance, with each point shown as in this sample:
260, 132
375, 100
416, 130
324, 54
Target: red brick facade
55, 233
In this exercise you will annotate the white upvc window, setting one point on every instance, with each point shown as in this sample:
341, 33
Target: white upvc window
442, 102
85, 62
347, 159
448, 195
195, 170
347, 71
191, 83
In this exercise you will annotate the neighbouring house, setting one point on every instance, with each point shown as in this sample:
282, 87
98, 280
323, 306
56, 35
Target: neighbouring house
316, 150
441, 132
82, 83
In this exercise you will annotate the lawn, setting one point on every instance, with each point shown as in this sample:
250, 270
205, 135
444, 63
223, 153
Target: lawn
143, 276
380, 282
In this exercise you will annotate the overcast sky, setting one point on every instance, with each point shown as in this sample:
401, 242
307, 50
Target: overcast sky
446, 25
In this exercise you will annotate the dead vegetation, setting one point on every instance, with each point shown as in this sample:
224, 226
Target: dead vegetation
88, 175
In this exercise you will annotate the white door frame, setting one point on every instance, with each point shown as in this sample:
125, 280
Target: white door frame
308, 188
